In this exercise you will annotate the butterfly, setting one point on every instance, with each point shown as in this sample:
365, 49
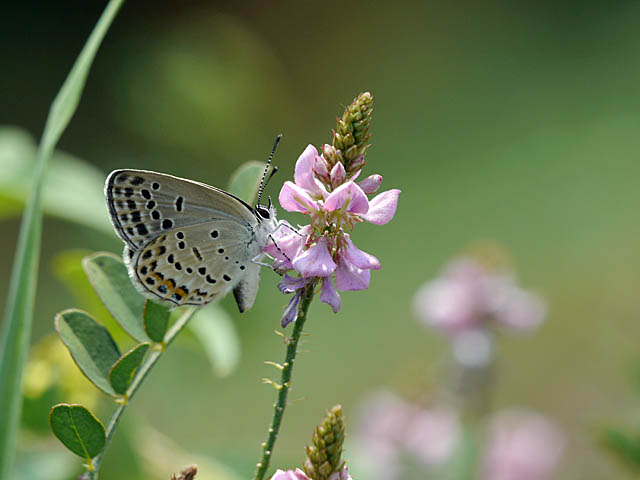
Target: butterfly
188, 243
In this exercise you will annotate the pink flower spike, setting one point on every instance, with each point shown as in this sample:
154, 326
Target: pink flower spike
303, 174
359, 258
338, 174
315, 261
382, 207
289, 475
294, 198
371, 184
330, 295
348, 196
351, 278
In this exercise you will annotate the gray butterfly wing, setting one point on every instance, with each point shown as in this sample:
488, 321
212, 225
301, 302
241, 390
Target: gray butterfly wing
187, 243
246, 290
143, 205
196, 264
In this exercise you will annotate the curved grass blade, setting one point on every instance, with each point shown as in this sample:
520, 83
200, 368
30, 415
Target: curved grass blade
18, 317
245, 181
90, 345
109, 278
122, 372
78, 429
156, 320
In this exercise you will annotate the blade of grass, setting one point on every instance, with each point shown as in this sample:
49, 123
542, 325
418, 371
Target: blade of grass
20, 300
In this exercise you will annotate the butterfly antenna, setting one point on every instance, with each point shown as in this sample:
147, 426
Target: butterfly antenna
263, 183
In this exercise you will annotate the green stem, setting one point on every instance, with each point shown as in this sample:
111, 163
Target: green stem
18, 318
285, 383
140, 376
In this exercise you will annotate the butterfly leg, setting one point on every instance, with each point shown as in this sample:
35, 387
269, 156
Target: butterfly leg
258, 261
279, 249
286, 224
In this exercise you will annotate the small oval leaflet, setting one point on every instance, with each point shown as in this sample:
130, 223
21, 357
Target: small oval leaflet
78, 429
122, 372
90, 344
156, 320
109, 278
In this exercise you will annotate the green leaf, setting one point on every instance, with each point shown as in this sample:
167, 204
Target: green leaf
110, 280
78, 429
245, 181
68, 179
215, 330
16, 330
156, 320
123, 370
624, 447
90, 345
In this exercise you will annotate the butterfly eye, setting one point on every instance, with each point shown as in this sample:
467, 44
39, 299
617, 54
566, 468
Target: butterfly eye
263, 212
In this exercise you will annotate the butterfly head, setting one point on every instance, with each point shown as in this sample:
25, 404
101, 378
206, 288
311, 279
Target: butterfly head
266, 213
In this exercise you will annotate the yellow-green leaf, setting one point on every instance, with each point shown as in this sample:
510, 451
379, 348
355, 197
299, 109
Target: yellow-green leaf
78, 429
109, 278
156, 320
122, 372
90, 344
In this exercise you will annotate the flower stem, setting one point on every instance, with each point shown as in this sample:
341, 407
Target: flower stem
285, 384
140, 376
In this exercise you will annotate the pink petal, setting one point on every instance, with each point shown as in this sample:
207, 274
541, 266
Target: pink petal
382, 207
338, 174
349, 277
359, 258
371, 184
303, 175
289, 475
315, 261
295, 199
514, 307
347, 196
287, 242
330, 295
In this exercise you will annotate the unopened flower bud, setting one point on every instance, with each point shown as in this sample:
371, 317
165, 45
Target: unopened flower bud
331, 155
323, 456
321, 169
338, 175
355, 166
351, 154
371, 184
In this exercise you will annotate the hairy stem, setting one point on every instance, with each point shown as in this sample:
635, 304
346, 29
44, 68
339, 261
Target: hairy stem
140, 376
285, 383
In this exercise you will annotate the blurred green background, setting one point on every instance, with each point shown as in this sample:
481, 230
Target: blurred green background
510, 122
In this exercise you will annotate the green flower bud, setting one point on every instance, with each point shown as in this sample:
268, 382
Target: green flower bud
324, 455
352, 135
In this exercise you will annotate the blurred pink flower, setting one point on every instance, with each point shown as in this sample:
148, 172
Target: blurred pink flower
323, 249
390, 428
289, 475
522, 445
433, 435
467, 295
